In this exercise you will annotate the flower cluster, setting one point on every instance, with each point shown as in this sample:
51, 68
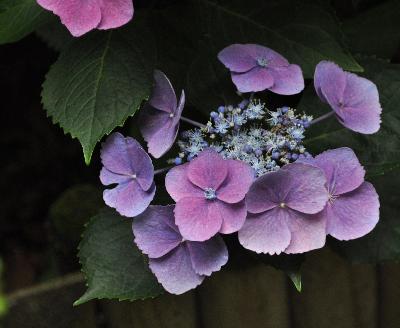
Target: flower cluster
246, 170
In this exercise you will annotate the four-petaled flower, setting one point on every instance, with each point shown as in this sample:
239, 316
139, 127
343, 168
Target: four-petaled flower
178, 264
354, 99
160, 117
353, 207
126, 164
81, 16
257, 68
283, 207
209, 193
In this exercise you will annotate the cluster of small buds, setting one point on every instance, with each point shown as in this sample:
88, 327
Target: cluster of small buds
251, 133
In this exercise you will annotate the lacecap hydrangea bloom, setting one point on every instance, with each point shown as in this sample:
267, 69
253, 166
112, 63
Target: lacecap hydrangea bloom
245, 171
82, 16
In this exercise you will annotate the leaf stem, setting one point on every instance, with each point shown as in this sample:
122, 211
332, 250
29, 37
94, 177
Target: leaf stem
322, 117
197, 124
161, 171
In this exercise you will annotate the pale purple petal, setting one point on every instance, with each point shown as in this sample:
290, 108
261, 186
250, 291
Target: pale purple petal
307, 191
107, 177
78, 16
237, 183
233, 216
354, 214
209, 256
174, 271
329, 82
267, 232
257, 79
342, 169
307, 231
163, 96
178, 184
208, 170
287, 80
179, 109
115, 13
198, 219
129, 199
237, 58
155, 231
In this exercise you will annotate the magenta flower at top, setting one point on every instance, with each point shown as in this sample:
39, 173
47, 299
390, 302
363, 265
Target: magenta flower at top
283, 207
160, 117
354, 99
257, 68
178, 264
126, 164
209, 193
82, 16
353, 207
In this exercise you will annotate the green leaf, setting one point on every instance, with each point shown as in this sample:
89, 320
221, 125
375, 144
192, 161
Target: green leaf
295, 277
19, 18
3, 301
375, 31
114, 267
99, 81
380, 152
302, 31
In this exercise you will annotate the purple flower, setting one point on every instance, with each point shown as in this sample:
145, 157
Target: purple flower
256, 68
126, 164
353, 207
209, 192
283, 207
354, 99
178, 264
160, 117
81, 16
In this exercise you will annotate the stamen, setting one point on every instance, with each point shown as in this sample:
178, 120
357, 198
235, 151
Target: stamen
263, 62
282, 205
210, 193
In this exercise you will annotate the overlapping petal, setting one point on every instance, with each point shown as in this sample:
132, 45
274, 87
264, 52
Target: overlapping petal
257, 79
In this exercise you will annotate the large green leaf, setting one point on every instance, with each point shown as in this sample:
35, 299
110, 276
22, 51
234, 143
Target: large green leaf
379, 152
375, 31
99, 81
18, 18
114, 267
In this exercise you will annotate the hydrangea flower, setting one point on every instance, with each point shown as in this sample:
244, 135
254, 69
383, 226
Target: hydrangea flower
283, 207
178, 264
209, 193
257, 68
354, 99
353, 207
126, 164
160, 118
81, 16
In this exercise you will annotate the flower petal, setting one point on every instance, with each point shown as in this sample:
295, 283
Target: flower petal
107, 177
354, 214
163, 96
233, 216
307, 192
237, 183
329, 82
198, 219
208, 170
287, 80
129, 199
257, 79
237, 58
178, 184
208, 256
115, 13
174, 271
155, 231
307, 231
266, 232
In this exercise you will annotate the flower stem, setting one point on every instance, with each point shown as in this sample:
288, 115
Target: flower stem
161, 171
322, 117
197, 124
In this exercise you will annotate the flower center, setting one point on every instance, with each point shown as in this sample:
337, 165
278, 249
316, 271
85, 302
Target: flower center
210, 193
133, 176
282, 205
332, 198
263, 62
171, 115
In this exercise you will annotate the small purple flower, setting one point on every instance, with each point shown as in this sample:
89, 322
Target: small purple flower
256, 68
353, 207
81, 16
209, 192
178, 264
354, 99
126, 164
160, 117
283, 207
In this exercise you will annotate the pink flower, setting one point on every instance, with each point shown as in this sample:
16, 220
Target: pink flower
82, 16
209, 193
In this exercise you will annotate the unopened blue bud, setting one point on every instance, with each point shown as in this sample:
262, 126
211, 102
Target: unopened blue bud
221, 109
284, 109
214, 114
275, 155
178, 161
